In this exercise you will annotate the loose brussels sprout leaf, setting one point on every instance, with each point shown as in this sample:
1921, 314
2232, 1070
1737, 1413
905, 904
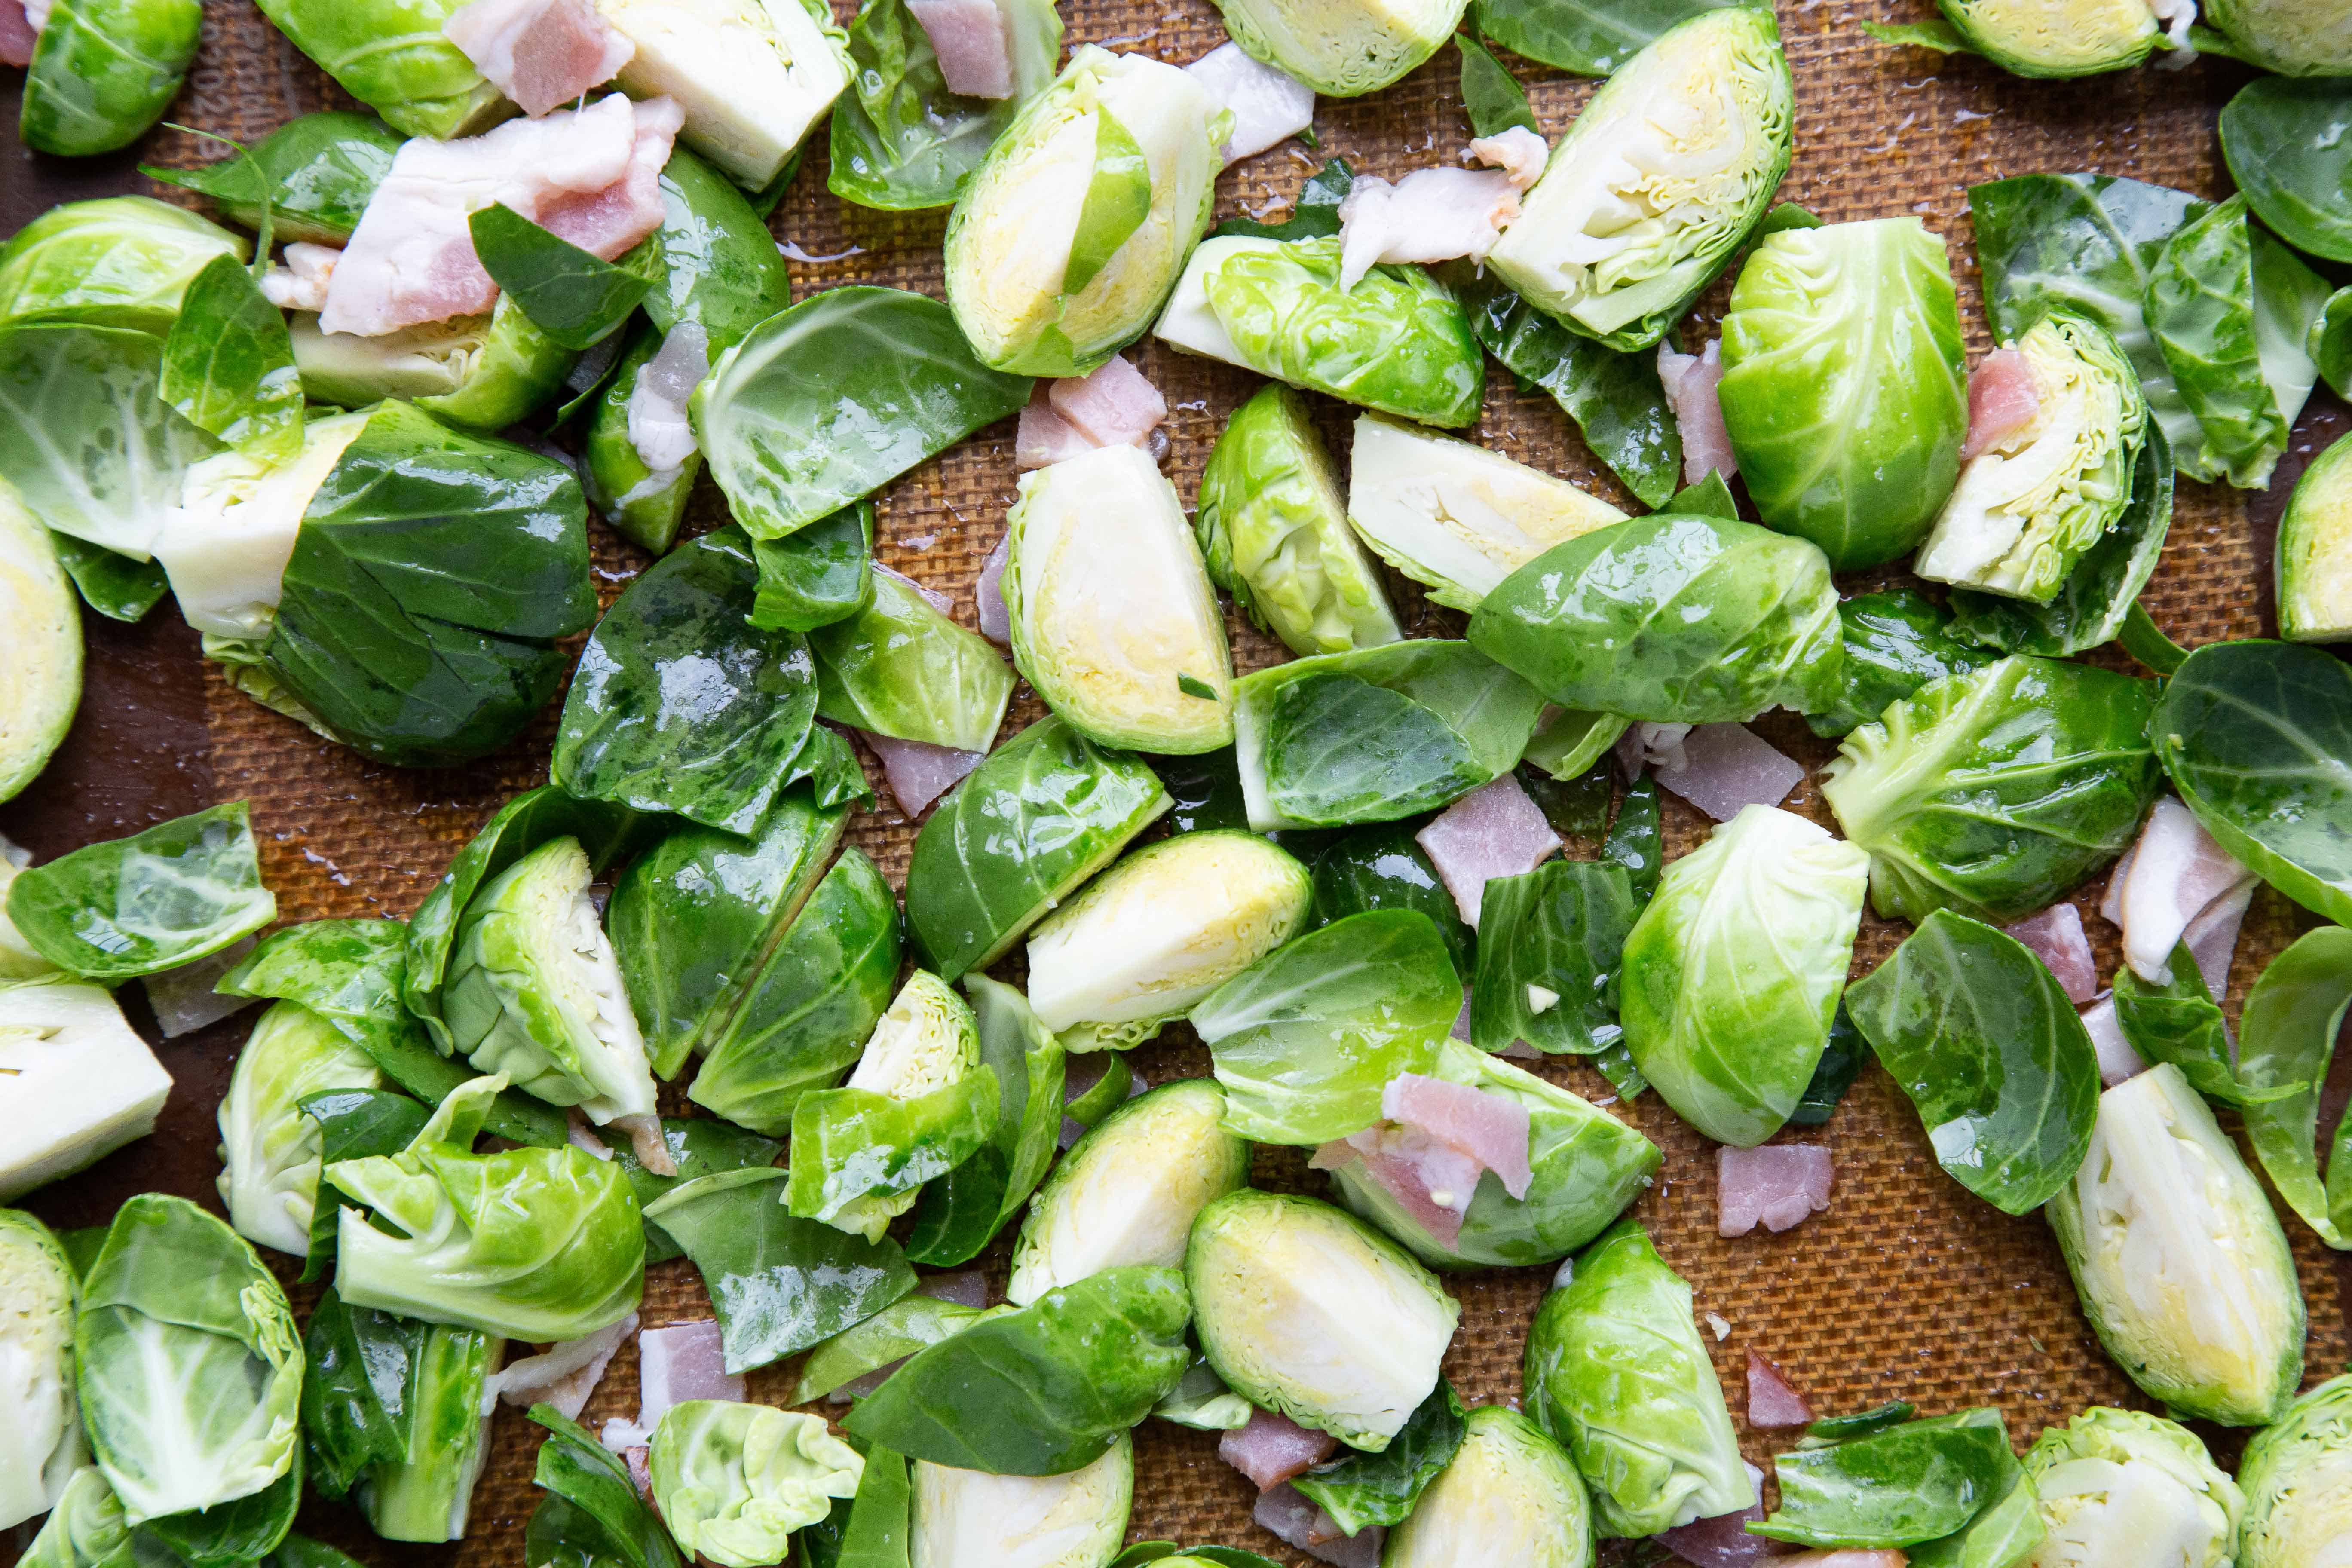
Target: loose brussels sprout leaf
1906, 1485
1547, 966
433, 574
1067, 240
478, 373
1377, 735
2283, 35
1309, 1313
720, 268
574, 297
594, 1513
1305, 1040
1842, 1062
2084, 38
428, 1497
228, 1535
1491, 96
1733, 971
752, 78
357, 1390
1397, 342
314, 173
2248, 733
823, 404
1617, 1375
1342, 51
1845, 390
1979, 1033
1377, 1491
181, 890
2285, 143
105, 70
965, 1519
2289, 1028
918, 1105
1635, 840
2294, 1473
84, 1529
2315, 565
1457, 517
1895, 642
1201, 1401
1157, 933
1576, 804
228, 364
393, 55
1206, 790
901, 140
680, 703
871, 1531
2331, 341
699, 1146
1043, 813
44, 647
1574, 255
533, 1244
120, 261
352, 1124
1042, 1391
1590, 39
809, 1007
734, 1480
189, 1368
41, 1446
1381, 867
907, 1325
2182, 1024
1691, 619
116, 586
2117, 1484
2182, 1268
900, 668
1274, 533
270, 1150
819, 574
1508, 1492
1997, 790
1128, 1190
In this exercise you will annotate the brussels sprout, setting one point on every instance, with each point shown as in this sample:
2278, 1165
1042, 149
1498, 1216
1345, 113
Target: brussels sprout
1397, 342
1996, 790
2284, 142
393, 55
479, 372
904, 669
1342, 49
80, 1084
270, 1149
1510, 1495
2121, 1487
40, 1444
1158, 931
533, 1244
105, 70
1689, 619
18, 960
1309, 1313
734, 1480
1114, 165
2315, 552
1617, 1375
118, 261
2293, 37
44, 647
753, 77
969, 1519
1732, 975
1630, 220
1457, 517
317, 172
427, 1496
1586, 1165
961, 1211
2181, 1264
818, 574
1128, 1190
533, 990
1275, 533
2297, 1477
2082, 37
645, 506
1845, 390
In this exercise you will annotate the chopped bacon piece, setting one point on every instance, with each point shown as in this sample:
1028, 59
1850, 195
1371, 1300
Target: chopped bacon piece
2056, 937
973, 44
918, 771
1495, 831
1518, 151
988, 594
1268, 105
638, 1457
542, 53
1114, 406
1286, 1512
2212, 937
1723, 1541
1724, 768
2003, 400
18, 35
1690, 382
1493, 1128
2118, 1063
1045, 437
1430, 1178
564, 1375
301, 283
2175, 872
1272, 1449
1432, 214
605, 223
658, 427
1777, 1186
1772, 1399
676, 1362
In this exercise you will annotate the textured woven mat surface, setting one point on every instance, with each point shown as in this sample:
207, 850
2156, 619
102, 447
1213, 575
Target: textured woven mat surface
1907, 1288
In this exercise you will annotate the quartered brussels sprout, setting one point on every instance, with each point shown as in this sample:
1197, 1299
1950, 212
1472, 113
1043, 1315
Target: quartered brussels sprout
2120, 1489
2314, 551
1845, 390
753, 76
734, 1480
1342, 48
42, 619
1275, 534
428, 1496
1158, 931
1455, 517
1586, 1165
1616, 1374
1068, 240
118, 261
1658, 181
1129, 1190
84, 1084
270, 1149
393, 55
2180, 1262
2297, 1479
1510, 1495
1308, 1313
534, 992
2030, 507
225, 545
2293, 37
2079, 38
40, 1442
1113, 618
969, 1519
105, 70
483, 373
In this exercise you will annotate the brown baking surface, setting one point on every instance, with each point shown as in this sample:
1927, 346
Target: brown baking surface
1907, 1287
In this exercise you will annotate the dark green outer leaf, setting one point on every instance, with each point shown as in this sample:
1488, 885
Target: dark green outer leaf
1380, 868
354, 1124
228, 364
116, 586
1577, 807
1338, 749
1206, 790
869, 1530
720, 266
2182, 1024
594, 1514
699, 1146
1315, 216
1635, 840
1491, 95
2144, 640
318, 170
1711, 496
1145, 1551
301, 1551
357, 1390
1901, 1487
2331, 344
575, 297
961, 1211
1590, 37
1841, 1064
2287, 1039
1561, 927
1862, 1423
1358, 1491
2288, 142
1981, 1037
236, 1533
1897, 641
179, 891
818, 575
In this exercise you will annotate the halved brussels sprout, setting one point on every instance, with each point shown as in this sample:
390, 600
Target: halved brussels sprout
1158, 931
1455, 517
2297, 1477
118, 261
734, 1480
2030, 507
1342, 48
644, 505
225, 545
2121, 1489
40, 1442
753, 75
2315, 552
2077, 37
1275, 533
80, 1083
270, 1149
969, 1519
1658, 181
534, 992
1510, 1495
393, 55
2293, 37
1129, 1190
1310, 1313
1069, 238
43, 642
2180, 1262
1113, 618
482, 373
105, 70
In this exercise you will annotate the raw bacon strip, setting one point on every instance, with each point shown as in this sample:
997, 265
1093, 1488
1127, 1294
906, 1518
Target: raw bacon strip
1776, 1187
2176, 872
1492, 1129
676, 1362
1724, 768
1431, 1179
973, 42
581, 1133
542, 53
930, 596
2056, 937
2212, 937
968, 1289
1772, 1399
1044, 436
1724, 1541
1268, 105
564, 1375
1114, 406
918, 771
1432, 214
2118, 1063
647, 1141
1691, 381
2004, 400
1272, 1449
1286, 1512
1495, 831
605, 223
